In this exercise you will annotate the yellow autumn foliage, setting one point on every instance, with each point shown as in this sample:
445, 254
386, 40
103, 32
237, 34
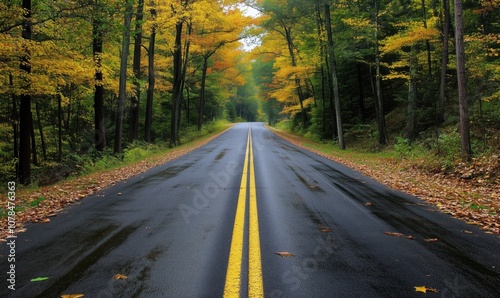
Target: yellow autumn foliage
413, 34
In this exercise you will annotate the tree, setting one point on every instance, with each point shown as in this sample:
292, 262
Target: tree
97, 50
148, 122
444, 59
334, 82
122, 93
134, 100
220, 28
26, 119
462, 91
379, 101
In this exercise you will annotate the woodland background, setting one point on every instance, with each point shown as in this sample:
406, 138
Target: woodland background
86, 84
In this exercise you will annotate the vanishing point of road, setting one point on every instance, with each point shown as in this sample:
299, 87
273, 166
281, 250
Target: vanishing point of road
251, 215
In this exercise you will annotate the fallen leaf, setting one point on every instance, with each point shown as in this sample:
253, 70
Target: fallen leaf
432, 290
431, 240
394, 234
424, 289
36, 279
467, 232
421, 289
368, 204
45, 220
119, 276
410, 237
325, 229
285, 254
72, 296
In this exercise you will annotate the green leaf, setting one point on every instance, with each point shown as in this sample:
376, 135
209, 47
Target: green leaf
39, 279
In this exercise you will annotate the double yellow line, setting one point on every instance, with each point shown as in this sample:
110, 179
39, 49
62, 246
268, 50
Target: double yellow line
233, 276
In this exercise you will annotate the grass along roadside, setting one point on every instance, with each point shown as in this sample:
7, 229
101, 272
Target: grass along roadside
472, 201
38, 204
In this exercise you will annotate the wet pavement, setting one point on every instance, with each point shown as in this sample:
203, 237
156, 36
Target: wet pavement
169, 231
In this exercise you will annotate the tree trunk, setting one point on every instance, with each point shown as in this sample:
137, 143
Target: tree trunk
122, 92
188, 105
202, 90
99, 124
412, 96
361, 98
177, 91
462, 91
15, 127
321, 42
427, 43
33, 142
444, 60
151, 85
134, 100
40, 131
300, 94
25, 118
334, 80
379, 102
59, 126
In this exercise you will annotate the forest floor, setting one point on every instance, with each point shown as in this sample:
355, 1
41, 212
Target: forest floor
471, 192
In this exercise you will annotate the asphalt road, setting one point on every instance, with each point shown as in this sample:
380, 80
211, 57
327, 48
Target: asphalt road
171, 232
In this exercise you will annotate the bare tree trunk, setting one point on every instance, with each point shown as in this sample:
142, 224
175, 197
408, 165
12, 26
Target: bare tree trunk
444, 60
134, 100
379, 102
334, 81
412, 96
177, 91
462, 91
151, 84
122, 92
40, 131
202, 90
427, 43
15, 127
99, 125
300, 93
33, 142
25, 125
59, 126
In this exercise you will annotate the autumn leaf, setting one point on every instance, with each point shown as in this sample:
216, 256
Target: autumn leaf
37, 279
285, 254
45, 220
431, 240
394, 234
424, 289
368, 204
119, 276
325, 229
72, 296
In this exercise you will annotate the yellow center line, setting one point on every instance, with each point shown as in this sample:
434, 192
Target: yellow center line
233, 275
255, 284
232, 287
